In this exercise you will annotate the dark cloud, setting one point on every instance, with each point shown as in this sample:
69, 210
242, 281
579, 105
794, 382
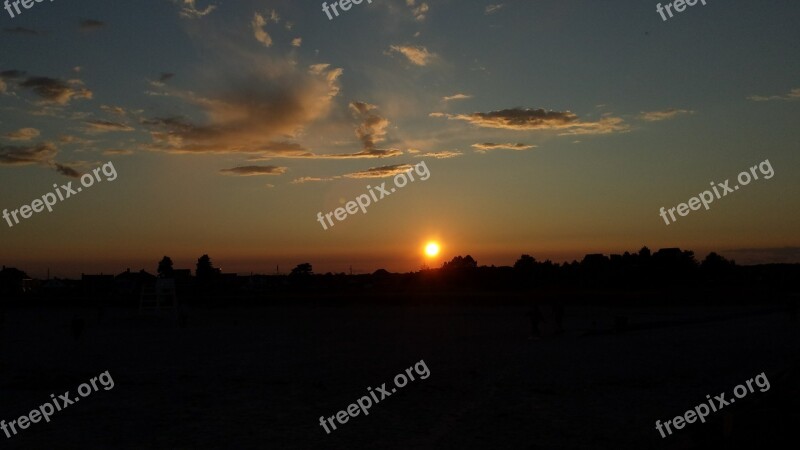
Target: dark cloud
539, 119
373, 127
101, 126
41, 153
91, 24
165, 76
246, 171
53, 90
66, 170
12, 74
21, 30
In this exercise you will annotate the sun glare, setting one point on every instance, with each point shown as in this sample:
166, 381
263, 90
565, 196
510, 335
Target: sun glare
432, 249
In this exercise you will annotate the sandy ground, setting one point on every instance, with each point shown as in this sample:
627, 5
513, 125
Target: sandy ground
262, 377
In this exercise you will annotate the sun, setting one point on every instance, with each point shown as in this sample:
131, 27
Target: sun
432, 249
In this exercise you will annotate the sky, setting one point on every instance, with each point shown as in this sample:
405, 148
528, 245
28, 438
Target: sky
551, 128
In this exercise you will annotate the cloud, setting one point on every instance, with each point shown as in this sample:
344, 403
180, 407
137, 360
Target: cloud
12, 74
21, 30
3, 86
118, 152
53, 90
446, 154
23, 134
373, 127
254, 109
23, 155
116, 110
302, 180
491, 9
259, 32
66, 170
247, 171
794, 94
103, 126
297, 42
418, 11
91, 24
655, 116
458, 96
381, 172
69, 139
486, 146
538, 119
190, 11
419, 56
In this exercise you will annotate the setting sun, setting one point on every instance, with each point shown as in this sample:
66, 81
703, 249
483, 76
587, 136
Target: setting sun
432, 249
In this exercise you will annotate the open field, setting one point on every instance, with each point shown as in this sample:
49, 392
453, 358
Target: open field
262, 377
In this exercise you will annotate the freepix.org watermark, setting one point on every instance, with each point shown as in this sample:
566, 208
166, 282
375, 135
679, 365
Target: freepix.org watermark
62, 402
64, 192
365, 402
344, 5
706, 197
364, 200
702, 410
679, 5
27, 4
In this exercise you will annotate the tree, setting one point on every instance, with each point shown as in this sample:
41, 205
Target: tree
165, 268
525, 263
460, 262
302, 270
205, 270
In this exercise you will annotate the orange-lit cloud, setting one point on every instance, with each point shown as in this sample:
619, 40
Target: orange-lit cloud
539, 119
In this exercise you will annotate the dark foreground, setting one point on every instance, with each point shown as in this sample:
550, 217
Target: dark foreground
261, 377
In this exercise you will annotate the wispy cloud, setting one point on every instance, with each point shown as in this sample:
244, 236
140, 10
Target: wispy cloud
23, 134
23, 155
104, 126
486, 146
116, 110
381, 172
416, 55
66, 170
491, 9
419, 11
259, 30
794, 94
445, 154
458, 96
91, 25
539, 119
248, 171
297, 42
53, 90
21, 30
190, 11
655, 116
117, 152
263, 104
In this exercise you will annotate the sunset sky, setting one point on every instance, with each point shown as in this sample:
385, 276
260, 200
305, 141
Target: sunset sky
550, 127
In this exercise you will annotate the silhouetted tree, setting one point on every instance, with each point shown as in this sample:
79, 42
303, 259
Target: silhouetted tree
302, 270
205, 270
525, 263
460, 262
165, 268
